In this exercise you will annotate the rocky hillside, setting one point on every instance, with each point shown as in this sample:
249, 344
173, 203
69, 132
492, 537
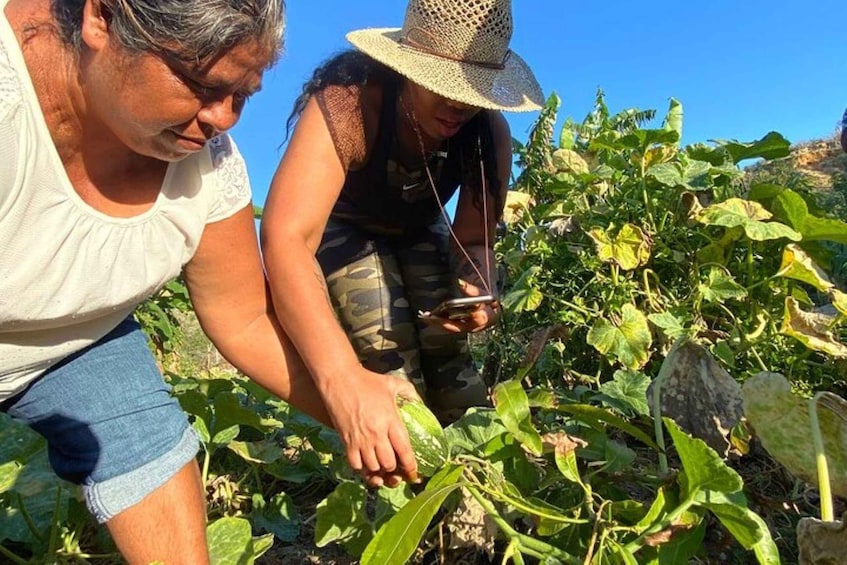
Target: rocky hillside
820, 164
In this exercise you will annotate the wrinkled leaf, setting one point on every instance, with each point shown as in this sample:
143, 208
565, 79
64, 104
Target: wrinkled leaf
628, 391
796, 264
279, 516
721, 287
628, 339
568, 160
341, 518
772, 146
749, 215
781, 421
811, 329
629, 248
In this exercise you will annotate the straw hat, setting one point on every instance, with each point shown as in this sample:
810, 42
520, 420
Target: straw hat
458, 49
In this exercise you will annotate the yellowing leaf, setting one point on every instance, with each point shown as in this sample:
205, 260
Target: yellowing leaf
811, 329
781, 421
568, 160
736, 212
517, 203
839, 300
627, 339
796, 264
629, 248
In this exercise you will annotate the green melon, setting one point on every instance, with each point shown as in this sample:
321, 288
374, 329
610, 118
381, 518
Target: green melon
425, 434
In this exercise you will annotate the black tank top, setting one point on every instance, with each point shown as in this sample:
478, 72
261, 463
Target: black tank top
382, 196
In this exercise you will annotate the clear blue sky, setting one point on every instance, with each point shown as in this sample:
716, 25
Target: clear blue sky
740, 68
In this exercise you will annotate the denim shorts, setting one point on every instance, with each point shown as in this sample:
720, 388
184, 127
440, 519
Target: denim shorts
110, 421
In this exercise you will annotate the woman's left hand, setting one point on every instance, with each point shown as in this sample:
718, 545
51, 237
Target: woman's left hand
482, 317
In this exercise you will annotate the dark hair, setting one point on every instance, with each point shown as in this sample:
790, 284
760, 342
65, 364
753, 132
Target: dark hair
351, 67
190, 31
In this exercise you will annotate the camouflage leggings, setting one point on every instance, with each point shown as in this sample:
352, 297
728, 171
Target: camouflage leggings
377, 285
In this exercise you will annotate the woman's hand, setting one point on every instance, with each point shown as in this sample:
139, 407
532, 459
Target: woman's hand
482, 317
363, 409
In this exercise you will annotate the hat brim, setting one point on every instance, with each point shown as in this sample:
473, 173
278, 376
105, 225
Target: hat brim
511, 89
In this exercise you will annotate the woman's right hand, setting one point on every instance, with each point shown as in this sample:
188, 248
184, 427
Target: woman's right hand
365, 414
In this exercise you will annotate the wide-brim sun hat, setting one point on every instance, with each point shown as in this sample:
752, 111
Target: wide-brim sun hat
458, 49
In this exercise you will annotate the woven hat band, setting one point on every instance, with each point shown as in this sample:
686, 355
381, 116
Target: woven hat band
472, 31
410, 43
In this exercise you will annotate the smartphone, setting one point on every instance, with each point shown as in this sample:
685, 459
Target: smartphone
458, 308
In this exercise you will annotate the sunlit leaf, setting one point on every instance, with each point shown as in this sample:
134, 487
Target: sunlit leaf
749, 215
517, 203
781, 421
264, 451
564, 452
796, 264
629, 247
811, 329
570, 161
721, 287
626, 339
512, 406
673, 119
772, 146
230, 541
629, 391
734, 515
342, 518
670, 325
397, 539
702, 466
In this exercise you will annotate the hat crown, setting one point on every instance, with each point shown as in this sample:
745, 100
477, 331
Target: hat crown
475, 31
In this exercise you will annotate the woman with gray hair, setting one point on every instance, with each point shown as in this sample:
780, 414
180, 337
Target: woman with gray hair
117, 175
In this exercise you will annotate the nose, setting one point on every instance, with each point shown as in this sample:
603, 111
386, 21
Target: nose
220, 114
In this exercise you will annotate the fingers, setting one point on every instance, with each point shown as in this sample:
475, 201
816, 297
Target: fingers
407, 465
469, 289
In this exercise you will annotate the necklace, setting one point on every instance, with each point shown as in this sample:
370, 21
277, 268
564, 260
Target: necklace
410, 115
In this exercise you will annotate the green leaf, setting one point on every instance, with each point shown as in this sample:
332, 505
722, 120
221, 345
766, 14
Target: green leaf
230, 542
629, 248
721, 287
772, 146
629, 391
389, 501
673, 119
264, 452
342, 518
279, 516
593, 416
734, 515
813, 330
512, 405
703, 467
226, 435
472, 431
670, 325
628, 339
781, 421
682, 546
524, 296
397, 539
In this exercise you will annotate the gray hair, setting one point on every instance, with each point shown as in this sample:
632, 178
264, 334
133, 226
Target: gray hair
186, 30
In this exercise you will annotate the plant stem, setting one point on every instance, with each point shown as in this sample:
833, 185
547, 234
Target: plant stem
28, 519
528, 544
827, 512
657, 527
206, 457
52, 547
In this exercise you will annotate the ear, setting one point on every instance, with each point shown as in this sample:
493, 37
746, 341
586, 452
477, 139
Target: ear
95, 24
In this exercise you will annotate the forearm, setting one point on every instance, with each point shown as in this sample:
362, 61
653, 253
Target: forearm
263, 352
303, 308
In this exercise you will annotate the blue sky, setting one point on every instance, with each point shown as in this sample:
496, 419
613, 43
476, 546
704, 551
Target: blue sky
740, 68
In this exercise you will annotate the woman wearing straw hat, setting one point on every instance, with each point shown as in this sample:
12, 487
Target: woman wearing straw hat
384, 136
